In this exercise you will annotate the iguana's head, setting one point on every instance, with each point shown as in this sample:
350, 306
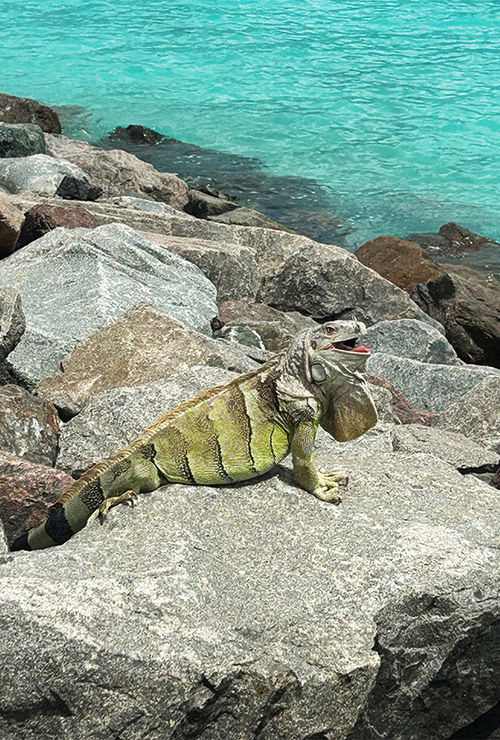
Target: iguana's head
331, 360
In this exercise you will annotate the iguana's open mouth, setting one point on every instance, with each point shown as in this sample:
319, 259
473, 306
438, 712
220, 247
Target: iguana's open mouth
349, 345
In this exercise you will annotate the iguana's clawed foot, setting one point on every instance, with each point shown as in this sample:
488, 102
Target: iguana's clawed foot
329, 486
128, 498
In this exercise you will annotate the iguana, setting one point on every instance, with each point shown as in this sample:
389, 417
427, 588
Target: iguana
234, 432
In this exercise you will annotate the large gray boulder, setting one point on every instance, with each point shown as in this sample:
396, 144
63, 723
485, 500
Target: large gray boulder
119, 173
259, 611
476, 414
115, 417
429, 386
75, 282
21, 140
416, 340
232, 268
142, 346
38, 174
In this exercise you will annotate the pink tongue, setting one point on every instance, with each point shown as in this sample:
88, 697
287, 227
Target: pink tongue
361, 348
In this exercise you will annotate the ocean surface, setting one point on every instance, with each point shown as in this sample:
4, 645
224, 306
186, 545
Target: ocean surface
390, 110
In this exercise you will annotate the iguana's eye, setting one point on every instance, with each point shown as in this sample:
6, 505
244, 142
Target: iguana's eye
313, 345
329, 329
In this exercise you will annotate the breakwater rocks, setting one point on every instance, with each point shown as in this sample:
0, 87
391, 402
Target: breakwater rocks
252, 610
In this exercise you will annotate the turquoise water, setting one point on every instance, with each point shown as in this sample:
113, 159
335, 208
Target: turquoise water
393, 106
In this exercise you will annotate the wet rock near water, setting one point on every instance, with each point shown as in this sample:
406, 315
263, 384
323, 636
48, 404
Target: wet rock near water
29, 426
24, 110
117, 172
21, 140
143, 345
117, 268
26, 492
11, 218
137, 134
39, 174
204, 205
407, 564
41, 219
114, 417
452, 240
247, 217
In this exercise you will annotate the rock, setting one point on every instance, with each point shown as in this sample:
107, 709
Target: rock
113, 418
25, 110
21, 140
137, 134
39, 174
203, 205
403, 263
72, 188
142, 346
29, 426
431, 387
476, 413
403, 411
41, 219
26, 492
232, 268
12, 321
11, 218
410, 338
459, 238
467, 303
242, 216
118, 172
275, 328
432, 243
495, 481
452, 447
258, 611
140, 204
76, 282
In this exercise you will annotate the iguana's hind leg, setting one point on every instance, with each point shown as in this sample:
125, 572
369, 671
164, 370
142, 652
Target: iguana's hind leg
128, 497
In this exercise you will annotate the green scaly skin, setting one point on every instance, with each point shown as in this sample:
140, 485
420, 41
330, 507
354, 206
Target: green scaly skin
234, 432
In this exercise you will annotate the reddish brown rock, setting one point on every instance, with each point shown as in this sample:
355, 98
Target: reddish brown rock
25, 110
29, 426
460, 239
401, 262
11, 218
406, 413
44, 217
26, 492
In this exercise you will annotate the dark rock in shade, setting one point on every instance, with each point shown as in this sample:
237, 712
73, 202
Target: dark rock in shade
25, 110
403, 409
467, 303
12, 321
119, 173
495, 481
72, 188
203, 205
45, 217
434, 243
21, 140
26, 492
275, 328
401, 262
29, 426
11, 218
460, 238
247, 217
136, 134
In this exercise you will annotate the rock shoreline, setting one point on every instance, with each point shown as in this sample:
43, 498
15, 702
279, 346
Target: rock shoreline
254, 610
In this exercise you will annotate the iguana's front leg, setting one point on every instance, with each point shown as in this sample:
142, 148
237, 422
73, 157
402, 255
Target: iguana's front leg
324, 486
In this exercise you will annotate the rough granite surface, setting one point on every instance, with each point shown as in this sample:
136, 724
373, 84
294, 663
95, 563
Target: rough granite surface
259, 611
73, 282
